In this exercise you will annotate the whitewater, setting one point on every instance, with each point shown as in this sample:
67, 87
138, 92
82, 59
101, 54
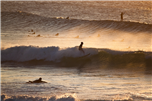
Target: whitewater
42, 38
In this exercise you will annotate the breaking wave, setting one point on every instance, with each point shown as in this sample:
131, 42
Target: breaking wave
131, 97
72, 57
28, 53
27, 98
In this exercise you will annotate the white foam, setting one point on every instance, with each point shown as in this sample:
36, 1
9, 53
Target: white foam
27, 98
27, 53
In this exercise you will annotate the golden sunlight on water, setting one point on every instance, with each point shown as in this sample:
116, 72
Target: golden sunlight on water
66, 82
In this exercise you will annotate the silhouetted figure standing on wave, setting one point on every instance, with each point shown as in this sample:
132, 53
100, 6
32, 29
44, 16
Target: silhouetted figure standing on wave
80, 48
121, 16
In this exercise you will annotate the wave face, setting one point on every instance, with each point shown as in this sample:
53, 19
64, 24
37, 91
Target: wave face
96, 33
139, 11
72, 57
13, 20
28, 53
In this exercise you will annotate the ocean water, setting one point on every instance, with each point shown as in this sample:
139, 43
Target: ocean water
41, 39
70, 84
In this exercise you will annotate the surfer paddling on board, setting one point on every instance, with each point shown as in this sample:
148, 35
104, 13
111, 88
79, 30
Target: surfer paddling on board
37, 81
80, 48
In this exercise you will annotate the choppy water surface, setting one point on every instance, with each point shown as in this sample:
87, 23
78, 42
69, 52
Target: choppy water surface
98, 84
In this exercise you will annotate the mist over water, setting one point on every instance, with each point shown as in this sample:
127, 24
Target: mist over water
98, 34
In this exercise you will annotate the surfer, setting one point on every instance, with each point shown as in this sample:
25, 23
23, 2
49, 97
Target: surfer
37, 81
121, 16
80, 48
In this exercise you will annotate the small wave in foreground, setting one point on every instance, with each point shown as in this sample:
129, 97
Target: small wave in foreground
65, 97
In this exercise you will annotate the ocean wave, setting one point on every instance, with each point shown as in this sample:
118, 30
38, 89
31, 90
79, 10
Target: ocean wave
27, 98
19, 20
72, 57
68, 97
28, 53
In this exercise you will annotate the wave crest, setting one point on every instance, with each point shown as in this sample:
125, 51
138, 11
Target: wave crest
72, 57
28, 20
27, 53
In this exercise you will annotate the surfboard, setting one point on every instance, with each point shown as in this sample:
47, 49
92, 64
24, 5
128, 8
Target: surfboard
36, 82
84, 55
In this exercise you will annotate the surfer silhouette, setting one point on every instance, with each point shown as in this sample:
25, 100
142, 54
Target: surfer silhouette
37, 81
80, 48
121, 16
